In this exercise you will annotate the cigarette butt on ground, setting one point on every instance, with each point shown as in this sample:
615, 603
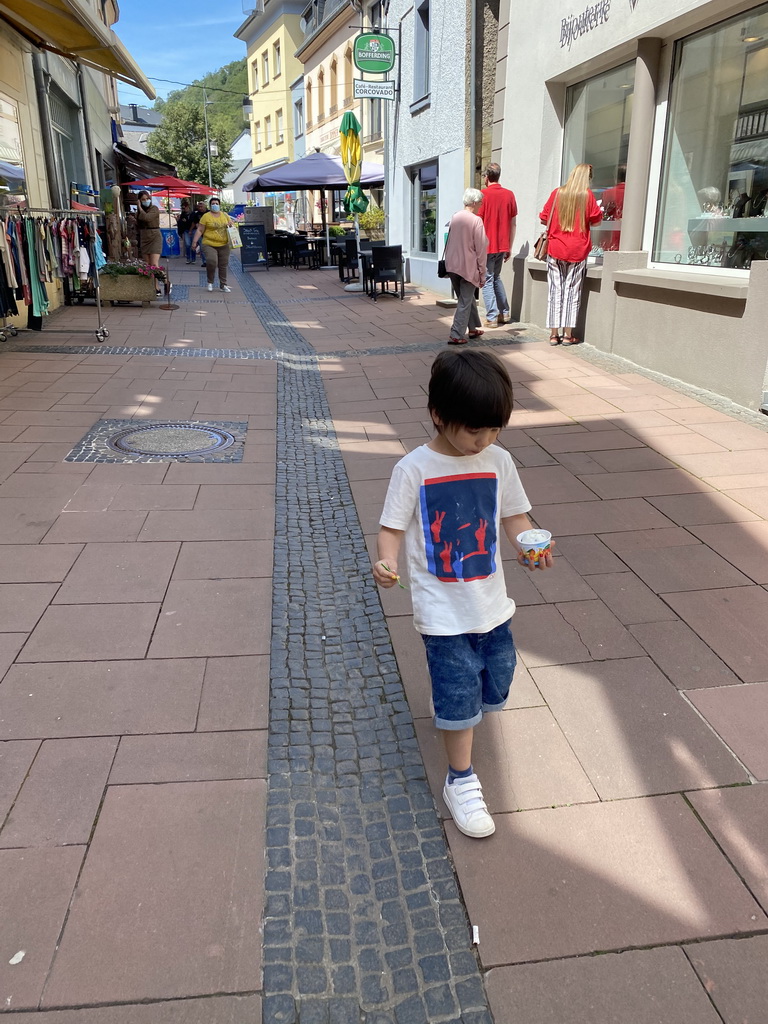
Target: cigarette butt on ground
475, 935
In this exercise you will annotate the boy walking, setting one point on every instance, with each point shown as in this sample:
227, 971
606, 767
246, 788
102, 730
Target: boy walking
448, 499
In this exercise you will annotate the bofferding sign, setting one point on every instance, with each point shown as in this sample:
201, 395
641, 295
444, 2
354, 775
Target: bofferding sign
374, 90
374, 52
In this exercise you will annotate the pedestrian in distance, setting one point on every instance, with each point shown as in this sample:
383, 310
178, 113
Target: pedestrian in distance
570, 211
185, 229
449, 499
213, 233
201, 207
465, 253
499, 216
150, 236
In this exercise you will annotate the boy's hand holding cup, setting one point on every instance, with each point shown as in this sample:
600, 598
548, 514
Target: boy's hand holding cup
535, 549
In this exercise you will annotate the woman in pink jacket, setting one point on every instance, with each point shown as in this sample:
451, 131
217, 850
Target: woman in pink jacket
465, 255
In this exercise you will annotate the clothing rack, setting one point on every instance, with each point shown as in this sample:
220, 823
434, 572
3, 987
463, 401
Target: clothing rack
101, 331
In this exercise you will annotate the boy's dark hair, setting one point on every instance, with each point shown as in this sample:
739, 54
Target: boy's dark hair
470, 388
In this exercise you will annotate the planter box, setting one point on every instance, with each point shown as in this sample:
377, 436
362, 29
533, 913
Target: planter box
127, 288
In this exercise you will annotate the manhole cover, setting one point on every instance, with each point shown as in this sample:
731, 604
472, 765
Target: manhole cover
170, 439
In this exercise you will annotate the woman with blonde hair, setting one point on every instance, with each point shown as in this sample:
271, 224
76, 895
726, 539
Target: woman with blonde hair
465, 259
570, 211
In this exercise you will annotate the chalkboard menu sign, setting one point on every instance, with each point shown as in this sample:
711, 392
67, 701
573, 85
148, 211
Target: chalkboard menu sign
254, 250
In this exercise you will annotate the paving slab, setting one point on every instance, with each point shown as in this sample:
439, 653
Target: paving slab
650, 986
209, 618
35, 891
153, 497
563, 583
100, 698
16, 758
631, 730
176, 862
115, 573
586, 441
235, 694
546, 485
599, 630
214, 1010
521, 757
207, 525
60, 797
702, 509
631, 460
543, 637
733, 973
667, 570
207, 560
744, 545
732, 622
740, 715
683, 657
32, 563
606, 516
191, 757
91, 632
738, 819
85, 527
753, 498
647, 864
629, 599
643, 483
26, 522
588, 555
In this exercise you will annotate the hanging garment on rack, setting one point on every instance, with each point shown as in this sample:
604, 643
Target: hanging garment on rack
99, 259
37, 287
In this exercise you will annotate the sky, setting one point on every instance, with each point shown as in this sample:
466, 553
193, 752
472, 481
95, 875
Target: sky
178, 40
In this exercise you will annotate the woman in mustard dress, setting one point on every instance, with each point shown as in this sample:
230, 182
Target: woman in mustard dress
150, 236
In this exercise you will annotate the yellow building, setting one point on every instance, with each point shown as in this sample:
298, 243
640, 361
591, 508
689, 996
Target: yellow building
58, 63
272, 34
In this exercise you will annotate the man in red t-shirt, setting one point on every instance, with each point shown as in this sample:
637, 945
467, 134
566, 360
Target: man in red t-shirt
499, 216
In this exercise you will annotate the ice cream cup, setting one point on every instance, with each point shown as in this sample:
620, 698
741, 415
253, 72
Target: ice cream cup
535, 544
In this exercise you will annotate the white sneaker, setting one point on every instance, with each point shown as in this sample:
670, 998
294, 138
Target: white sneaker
225, 289
464, 799
210, 287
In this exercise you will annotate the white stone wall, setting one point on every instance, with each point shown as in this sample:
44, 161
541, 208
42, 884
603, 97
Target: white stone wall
436, 132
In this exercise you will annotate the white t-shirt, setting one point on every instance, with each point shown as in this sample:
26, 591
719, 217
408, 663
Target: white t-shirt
450, 508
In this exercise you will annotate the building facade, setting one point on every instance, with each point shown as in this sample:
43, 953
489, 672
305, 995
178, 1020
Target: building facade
668, 101
272, 35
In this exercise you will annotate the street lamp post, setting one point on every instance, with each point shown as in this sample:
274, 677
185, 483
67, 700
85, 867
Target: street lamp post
207, 140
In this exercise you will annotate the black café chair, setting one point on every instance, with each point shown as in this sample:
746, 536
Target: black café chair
386, 268
301, 251
348, 261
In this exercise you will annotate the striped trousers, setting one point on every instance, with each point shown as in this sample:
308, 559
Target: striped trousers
565, 281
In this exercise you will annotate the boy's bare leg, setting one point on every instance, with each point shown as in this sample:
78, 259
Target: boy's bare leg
458, 747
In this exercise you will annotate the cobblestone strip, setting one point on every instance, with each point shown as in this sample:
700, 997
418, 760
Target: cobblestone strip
363, 918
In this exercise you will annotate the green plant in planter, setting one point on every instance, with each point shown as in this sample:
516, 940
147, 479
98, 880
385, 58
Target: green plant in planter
135, 268
372, 219
335, 231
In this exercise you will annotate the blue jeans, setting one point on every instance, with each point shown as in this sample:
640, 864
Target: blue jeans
471, 673
494, 295
189, 252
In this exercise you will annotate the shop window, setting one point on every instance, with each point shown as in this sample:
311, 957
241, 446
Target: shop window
598, 113
13, 183
425, 208
713, 210
421, 52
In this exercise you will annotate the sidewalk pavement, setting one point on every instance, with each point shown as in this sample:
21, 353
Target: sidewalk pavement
148, 779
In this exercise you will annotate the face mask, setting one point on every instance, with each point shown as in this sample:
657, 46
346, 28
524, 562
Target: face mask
215, 207
145, 204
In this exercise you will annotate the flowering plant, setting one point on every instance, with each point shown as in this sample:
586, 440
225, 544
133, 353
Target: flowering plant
136, 267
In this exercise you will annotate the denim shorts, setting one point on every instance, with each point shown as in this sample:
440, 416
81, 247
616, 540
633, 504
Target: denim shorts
471, 674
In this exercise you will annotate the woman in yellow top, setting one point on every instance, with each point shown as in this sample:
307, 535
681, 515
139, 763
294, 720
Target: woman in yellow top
215, 244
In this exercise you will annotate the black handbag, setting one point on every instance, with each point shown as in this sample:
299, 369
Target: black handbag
441, 271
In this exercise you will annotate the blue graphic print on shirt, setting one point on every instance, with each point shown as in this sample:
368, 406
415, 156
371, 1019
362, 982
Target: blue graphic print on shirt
458, 516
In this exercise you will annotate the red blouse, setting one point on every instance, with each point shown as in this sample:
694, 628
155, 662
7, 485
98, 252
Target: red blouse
571, 246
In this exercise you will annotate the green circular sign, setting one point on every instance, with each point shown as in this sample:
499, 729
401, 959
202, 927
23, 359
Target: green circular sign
374, 53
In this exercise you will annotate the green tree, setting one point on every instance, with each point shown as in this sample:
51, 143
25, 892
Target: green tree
180, 140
